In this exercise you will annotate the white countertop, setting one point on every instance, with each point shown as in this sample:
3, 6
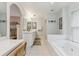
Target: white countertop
29, 32
6, 46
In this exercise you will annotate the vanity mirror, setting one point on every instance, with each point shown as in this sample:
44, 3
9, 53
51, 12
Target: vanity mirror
31, 25
28, 26
34, 25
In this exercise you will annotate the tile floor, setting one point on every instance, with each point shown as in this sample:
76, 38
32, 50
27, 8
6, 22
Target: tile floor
40, 50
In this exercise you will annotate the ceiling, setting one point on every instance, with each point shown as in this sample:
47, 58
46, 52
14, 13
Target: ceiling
42, 9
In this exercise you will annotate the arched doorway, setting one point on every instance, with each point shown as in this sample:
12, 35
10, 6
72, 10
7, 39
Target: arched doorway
15, 22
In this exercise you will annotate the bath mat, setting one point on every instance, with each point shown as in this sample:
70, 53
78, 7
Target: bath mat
37, 41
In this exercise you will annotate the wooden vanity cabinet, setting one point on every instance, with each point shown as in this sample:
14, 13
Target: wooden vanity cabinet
19, 51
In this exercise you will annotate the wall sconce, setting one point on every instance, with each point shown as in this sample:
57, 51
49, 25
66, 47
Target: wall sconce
52, 21
2, 21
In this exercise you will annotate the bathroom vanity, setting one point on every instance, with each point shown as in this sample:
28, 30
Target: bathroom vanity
29, 36
12, 47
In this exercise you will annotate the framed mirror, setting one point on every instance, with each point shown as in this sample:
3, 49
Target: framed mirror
28, 26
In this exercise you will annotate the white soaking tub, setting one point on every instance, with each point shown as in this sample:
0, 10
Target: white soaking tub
62, 46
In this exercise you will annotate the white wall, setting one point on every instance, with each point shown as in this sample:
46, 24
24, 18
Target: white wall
14, 10
68, 25
3, 16
74, 18
66, 31
53, 28
58, 15
65, 22
71, 22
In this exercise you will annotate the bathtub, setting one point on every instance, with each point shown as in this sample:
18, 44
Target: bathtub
63, 46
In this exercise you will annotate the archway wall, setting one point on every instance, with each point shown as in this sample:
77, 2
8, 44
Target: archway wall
15, 10
8, 16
